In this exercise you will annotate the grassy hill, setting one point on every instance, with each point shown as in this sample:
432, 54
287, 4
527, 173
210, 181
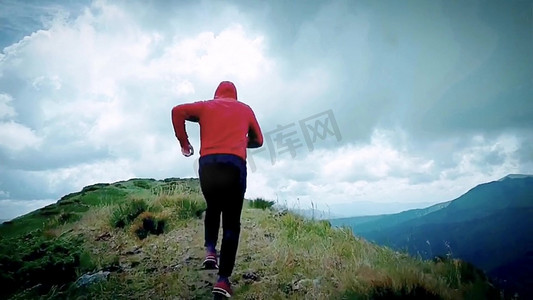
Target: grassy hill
143, 239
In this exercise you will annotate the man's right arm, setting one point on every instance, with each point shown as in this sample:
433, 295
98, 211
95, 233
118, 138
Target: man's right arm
180, 113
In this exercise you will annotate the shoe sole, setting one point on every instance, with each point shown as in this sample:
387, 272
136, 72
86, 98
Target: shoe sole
222, 292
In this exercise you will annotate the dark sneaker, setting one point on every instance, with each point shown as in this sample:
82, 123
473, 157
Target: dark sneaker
210, 261
223, 288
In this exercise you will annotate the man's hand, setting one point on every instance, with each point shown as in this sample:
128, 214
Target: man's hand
252, 144
252, 141
187, 150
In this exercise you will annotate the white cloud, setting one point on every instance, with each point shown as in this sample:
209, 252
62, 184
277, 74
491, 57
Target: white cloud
209, 56
383, 170
229, 53
6, 110
483, 157
16, 137
184, 87
85, 174
47, 82
378, 159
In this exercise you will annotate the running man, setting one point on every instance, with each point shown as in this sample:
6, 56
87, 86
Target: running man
227, 128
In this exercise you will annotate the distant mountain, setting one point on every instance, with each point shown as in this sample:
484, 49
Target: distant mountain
314, 214
370, 208
490, 226
379, 222
515, 176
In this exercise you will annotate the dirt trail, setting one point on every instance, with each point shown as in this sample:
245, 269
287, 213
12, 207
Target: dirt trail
201, 281
169, 266
248, 245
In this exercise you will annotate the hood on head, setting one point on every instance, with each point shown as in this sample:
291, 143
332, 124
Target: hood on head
226, 89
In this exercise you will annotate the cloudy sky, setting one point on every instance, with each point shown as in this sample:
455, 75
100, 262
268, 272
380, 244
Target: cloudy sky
400, 103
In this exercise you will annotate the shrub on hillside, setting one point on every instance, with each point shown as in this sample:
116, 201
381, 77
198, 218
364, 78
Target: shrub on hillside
125, 214
65, 217
462, 274
181, 206
149, 223
41, 263
142, 184
261, 203
176, 189
188, 209
295, 226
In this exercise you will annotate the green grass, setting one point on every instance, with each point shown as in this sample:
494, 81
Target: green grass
125, 213
261, 203
103, 196
143, 184
42, 262
183, 206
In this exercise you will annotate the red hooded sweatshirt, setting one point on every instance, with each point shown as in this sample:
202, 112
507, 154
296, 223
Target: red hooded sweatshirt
227, 126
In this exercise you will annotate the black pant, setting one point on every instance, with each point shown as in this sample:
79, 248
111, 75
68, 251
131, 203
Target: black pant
223, 183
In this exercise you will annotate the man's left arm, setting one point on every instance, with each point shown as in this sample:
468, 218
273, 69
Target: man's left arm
255, 136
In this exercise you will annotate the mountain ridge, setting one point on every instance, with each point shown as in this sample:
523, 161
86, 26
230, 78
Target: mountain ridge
515, 176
